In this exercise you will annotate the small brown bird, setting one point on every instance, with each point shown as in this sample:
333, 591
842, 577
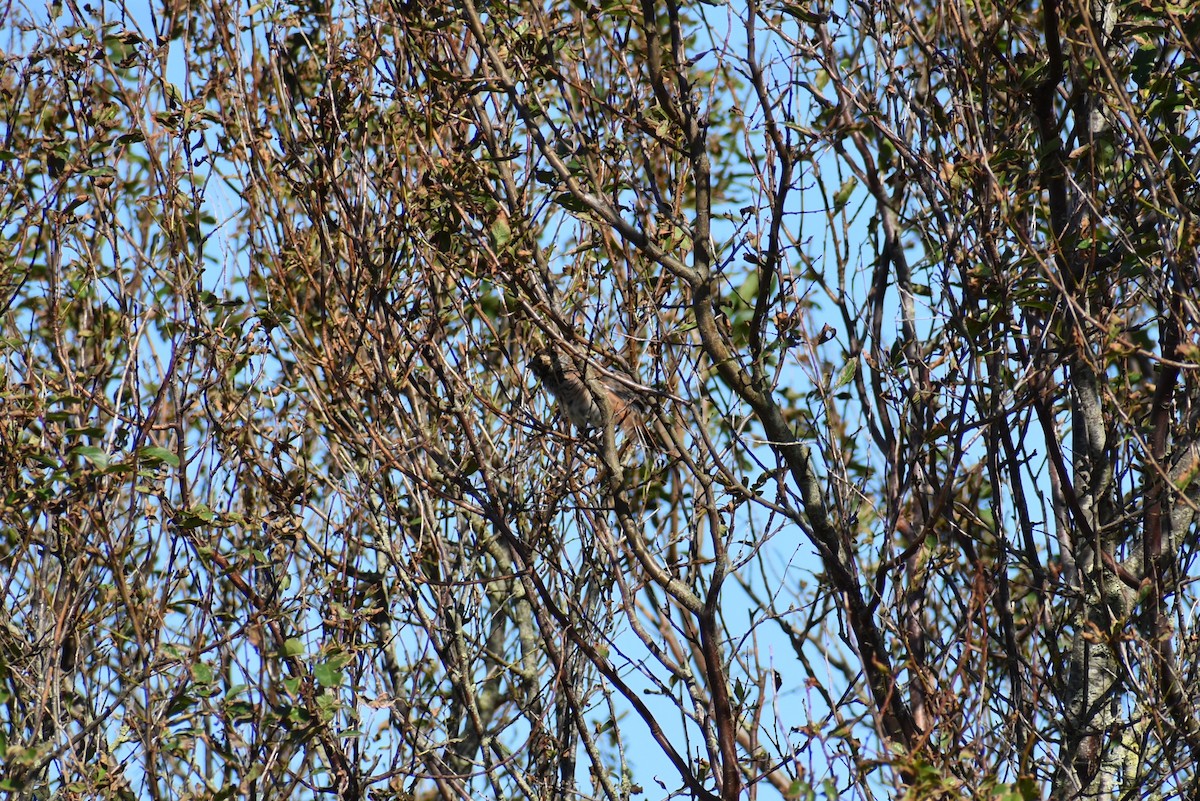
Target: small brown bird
577, 396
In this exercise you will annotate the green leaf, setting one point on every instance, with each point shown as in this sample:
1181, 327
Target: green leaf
501, 233
327, 674
570, 202
95, 455
156, 455
842, 196
1141, 64
241, 711
195, 517
90, 431
1029, 789
181, 703
293, 647
803, 14
846, 374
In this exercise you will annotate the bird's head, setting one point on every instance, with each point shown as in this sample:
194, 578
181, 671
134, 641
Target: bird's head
546, 365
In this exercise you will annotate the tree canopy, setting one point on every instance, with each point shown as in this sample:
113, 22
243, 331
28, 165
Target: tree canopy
904, 296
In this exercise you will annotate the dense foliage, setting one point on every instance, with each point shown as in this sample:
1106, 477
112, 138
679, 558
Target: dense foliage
907, 293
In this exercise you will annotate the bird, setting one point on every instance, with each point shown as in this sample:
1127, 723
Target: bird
577, 396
